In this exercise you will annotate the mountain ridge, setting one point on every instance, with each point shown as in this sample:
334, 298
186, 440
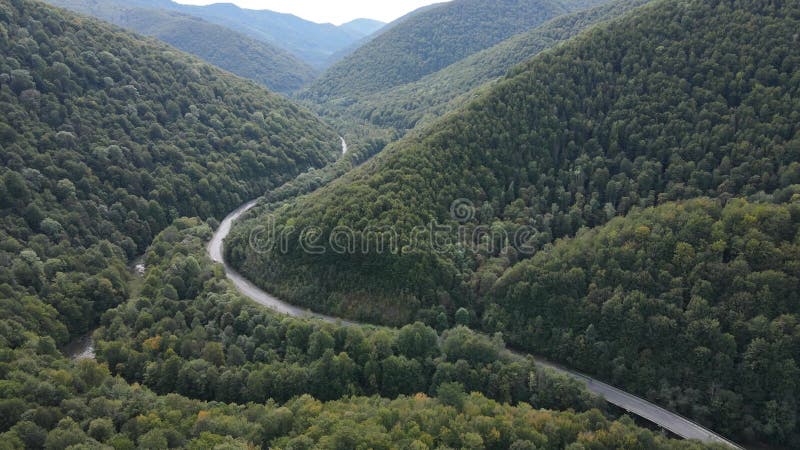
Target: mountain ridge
242, 55
363, 27
426, 41
314, 43
676, 102
311, 42
420, 102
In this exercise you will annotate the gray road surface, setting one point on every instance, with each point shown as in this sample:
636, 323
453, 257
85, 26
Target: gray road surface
676, 424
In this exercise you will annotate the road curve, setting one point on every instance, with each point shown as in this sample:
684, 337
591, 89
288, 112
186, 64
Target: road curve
670, 421
215, 251
676, 424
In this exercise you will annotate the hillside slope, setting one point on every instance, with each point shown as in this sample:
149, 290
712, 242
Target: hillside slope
257, 60
362, 27
426, 42
676, 101
563, 145
694, 305
313, 43
345, 51
105, 139
406, 106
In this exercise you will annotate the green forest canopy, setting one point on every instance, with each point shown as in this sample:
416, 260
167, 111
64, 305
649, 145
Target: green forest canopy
224, 47
672, 102
420, 102
106, 140
426, 42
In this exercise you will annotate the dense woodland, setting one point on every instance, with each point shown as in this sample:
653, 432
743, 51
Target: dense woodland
694, 304
311, 42
187, 332
427, 42
48, 402
106, 142
655, 157
676, 101
410, 105
240, 54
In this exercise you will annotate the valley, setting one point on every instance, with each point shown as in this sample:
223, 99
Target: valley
516, 224
670, 421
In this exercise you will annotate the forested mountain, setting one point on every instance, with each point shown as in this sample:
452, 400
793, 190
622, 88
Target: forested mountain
313, 43
104, 140
189, 332
345, 51
257, 60
676, 101
247, 353
407, 106
695, 305
362, 27
427, 41
107, 139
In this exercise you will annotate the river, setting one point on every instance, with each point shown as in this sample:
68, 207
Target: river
83, 347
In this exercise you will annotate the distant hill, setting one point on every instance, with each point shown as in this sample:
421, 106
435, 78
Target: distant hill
344, 52
312, 42
242, 55
406, 106
428, 41
362, 27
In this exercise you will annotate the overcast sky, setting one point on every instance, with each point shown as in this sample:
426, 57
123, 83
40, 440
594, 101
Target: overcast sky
333, 11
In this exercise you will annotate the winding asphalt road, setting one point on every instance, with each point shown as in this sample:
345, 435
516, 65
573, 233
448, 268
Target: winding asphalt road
670, 421
676, 424
83, 347
215, 251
